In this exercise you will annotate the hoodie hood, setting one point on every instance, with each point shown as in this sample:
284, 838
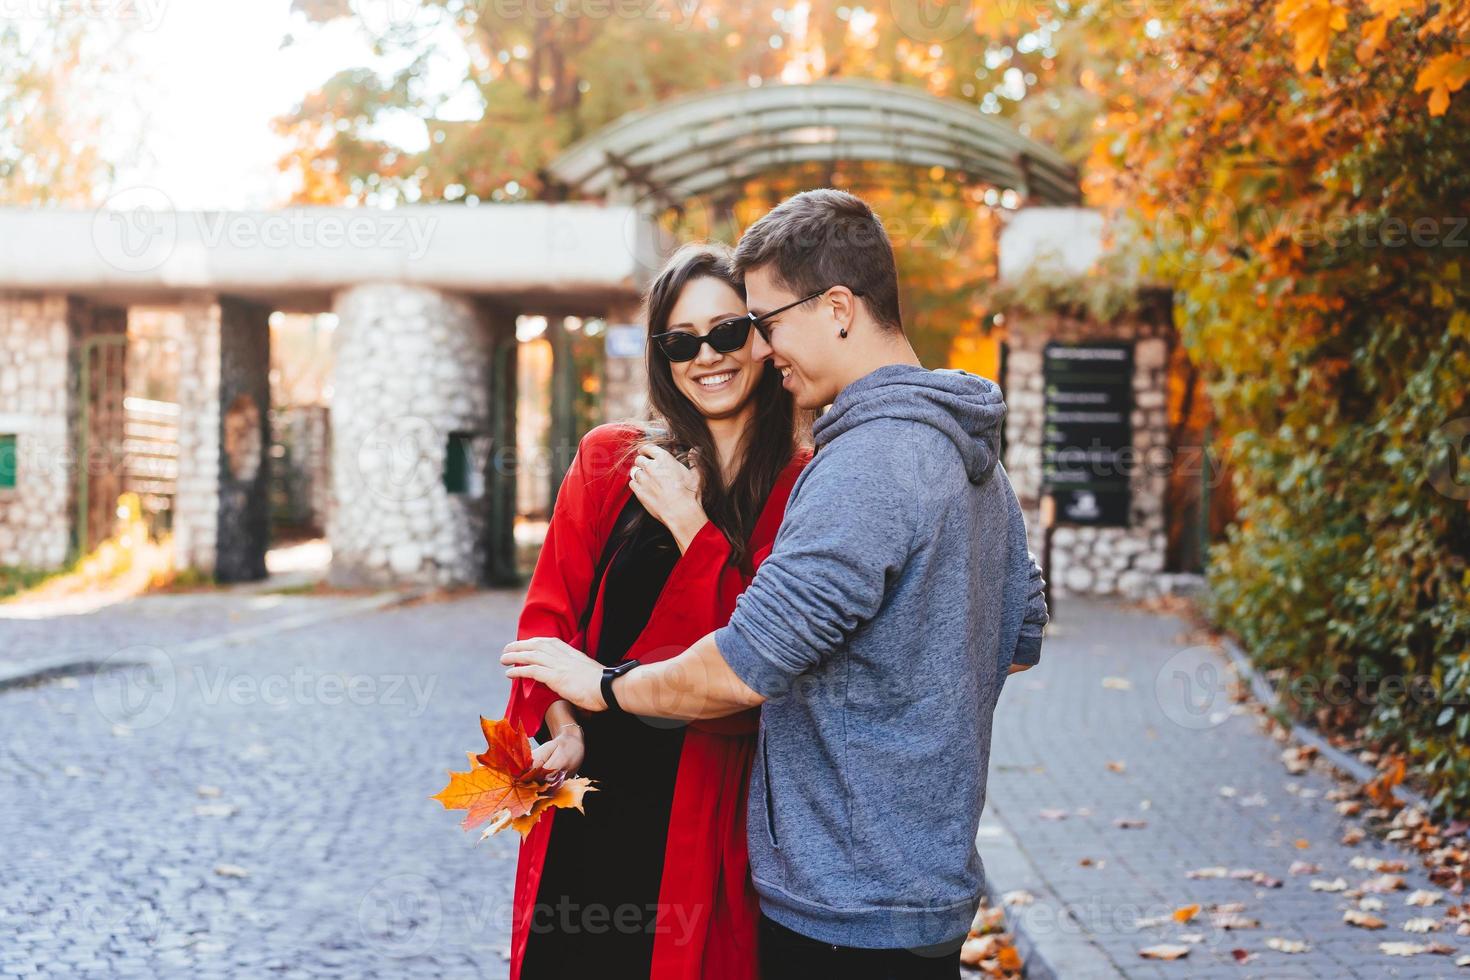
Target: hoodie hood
967, 408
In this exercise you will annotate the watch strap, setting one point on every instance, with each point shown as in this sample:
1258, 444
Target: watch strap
610, 674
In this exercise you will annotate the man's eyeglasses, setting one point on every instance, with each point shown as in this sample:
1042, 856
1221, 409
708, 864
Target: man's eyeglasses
726, 336
762, 322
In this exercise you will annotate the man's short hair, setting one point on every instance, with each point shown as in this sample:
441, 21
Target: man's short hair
822, 238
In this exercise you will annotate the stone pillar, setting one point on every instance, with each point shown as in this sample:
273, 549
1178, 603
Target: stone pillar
412, 430
500, 541
196, 495
624, 375
36, 451
222, 505
1092, 560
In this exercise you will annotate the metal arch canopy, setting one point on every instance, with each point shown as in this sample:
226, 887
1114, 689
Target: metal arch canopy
704, 143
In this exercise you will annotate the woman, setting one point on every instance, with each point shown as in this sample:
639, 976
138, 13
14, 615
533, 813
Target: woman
645, 555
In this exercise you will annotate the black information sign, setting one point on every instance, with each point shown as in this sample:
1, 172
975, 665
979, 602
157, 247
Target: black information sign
1087, 438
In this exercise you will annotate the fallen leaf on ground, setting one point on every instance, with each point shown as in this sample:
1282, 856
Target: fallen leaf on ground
1117, 684
1353, 836
1402, 949
1361, 919
1215, 872
1370, 904
1164, 951
1185, 912
1287, 945
1018, 897
1384, 883
1130, 823
231, 871
1242, 955
1052, 814
1335, 885
1374, 864
1303, 868
1422, 897
1116, 765
1422, 924
1234, 922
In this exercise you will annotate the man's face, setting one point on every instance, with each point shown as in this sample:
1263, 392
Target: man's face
803, 345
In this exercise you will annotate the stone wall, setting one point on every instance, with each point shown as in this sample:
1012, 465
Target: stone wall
1085, 559
35, 520
196, 501
412, 366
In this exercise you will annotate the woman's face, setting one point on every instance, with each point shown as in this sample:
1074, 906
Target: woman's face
719, 385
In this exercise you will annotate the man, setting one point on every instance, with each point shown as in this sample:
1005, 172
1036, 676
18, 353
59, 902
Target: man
878, 633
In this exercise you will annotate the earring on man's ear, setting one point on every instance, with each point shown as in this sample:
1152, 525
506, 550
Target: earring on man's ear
842, 333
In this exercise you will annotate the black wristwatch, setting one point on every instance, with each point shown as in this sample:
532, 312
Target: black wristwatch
610, 674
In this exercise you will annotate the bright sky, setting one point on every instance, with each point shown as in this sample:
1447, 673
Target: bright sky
212, 74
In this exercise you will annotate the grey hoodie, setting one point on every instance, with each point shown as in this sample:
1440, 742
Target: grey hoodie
897, 593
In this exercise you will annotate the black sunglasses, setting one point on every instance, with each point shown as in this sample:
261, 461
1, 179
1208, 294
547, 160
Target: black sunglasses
725, 337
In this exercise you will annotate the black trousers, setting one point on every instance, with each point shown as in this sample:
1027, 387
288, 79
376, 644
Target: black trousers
784, 953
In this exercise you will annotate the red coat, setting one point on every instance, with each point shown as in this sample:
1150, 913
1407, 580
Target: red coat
705, 869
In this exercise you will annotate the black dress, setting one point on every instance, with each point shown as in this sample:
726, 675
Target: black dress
595, 907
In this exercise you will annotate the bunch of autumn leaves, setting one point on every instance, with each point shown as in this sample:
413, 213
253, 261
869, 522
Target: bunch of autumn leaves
501, 786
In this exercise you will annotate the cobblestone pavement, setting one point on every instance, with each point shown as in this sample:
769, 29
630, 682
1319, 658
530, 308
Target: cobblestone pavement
1120, 685
262, 809
255, 810
160, 620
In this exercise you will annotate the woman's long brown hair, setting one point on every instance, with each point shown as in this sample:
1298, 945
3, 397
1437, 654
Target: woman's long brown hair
775, 430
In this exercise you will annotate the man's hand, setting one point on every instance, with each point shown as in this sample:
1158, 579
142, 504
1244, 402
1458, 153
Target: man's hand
563, 668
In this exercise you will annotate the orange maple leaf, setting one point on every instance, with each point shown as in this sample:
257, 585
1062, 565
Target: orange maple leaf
506, 747
1312, 23
1442, 77
500, 786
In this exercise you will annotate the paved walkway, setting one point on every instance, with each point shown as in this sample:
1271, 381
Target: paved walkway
255, 809
1125, 720
261, 808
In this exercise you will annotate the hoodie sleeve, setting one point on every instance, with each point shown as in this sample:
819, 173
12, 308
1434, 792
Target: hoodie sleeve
1035, 618
845, 536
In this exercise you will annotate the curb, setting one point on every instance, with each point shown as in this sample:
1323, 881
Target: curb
1007, 868
71, 665
1301, 733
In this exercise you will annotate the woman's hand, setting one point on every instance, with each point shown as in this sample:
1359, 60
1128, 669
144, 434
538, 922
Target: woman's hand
569, 672
669, 491
564, 753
